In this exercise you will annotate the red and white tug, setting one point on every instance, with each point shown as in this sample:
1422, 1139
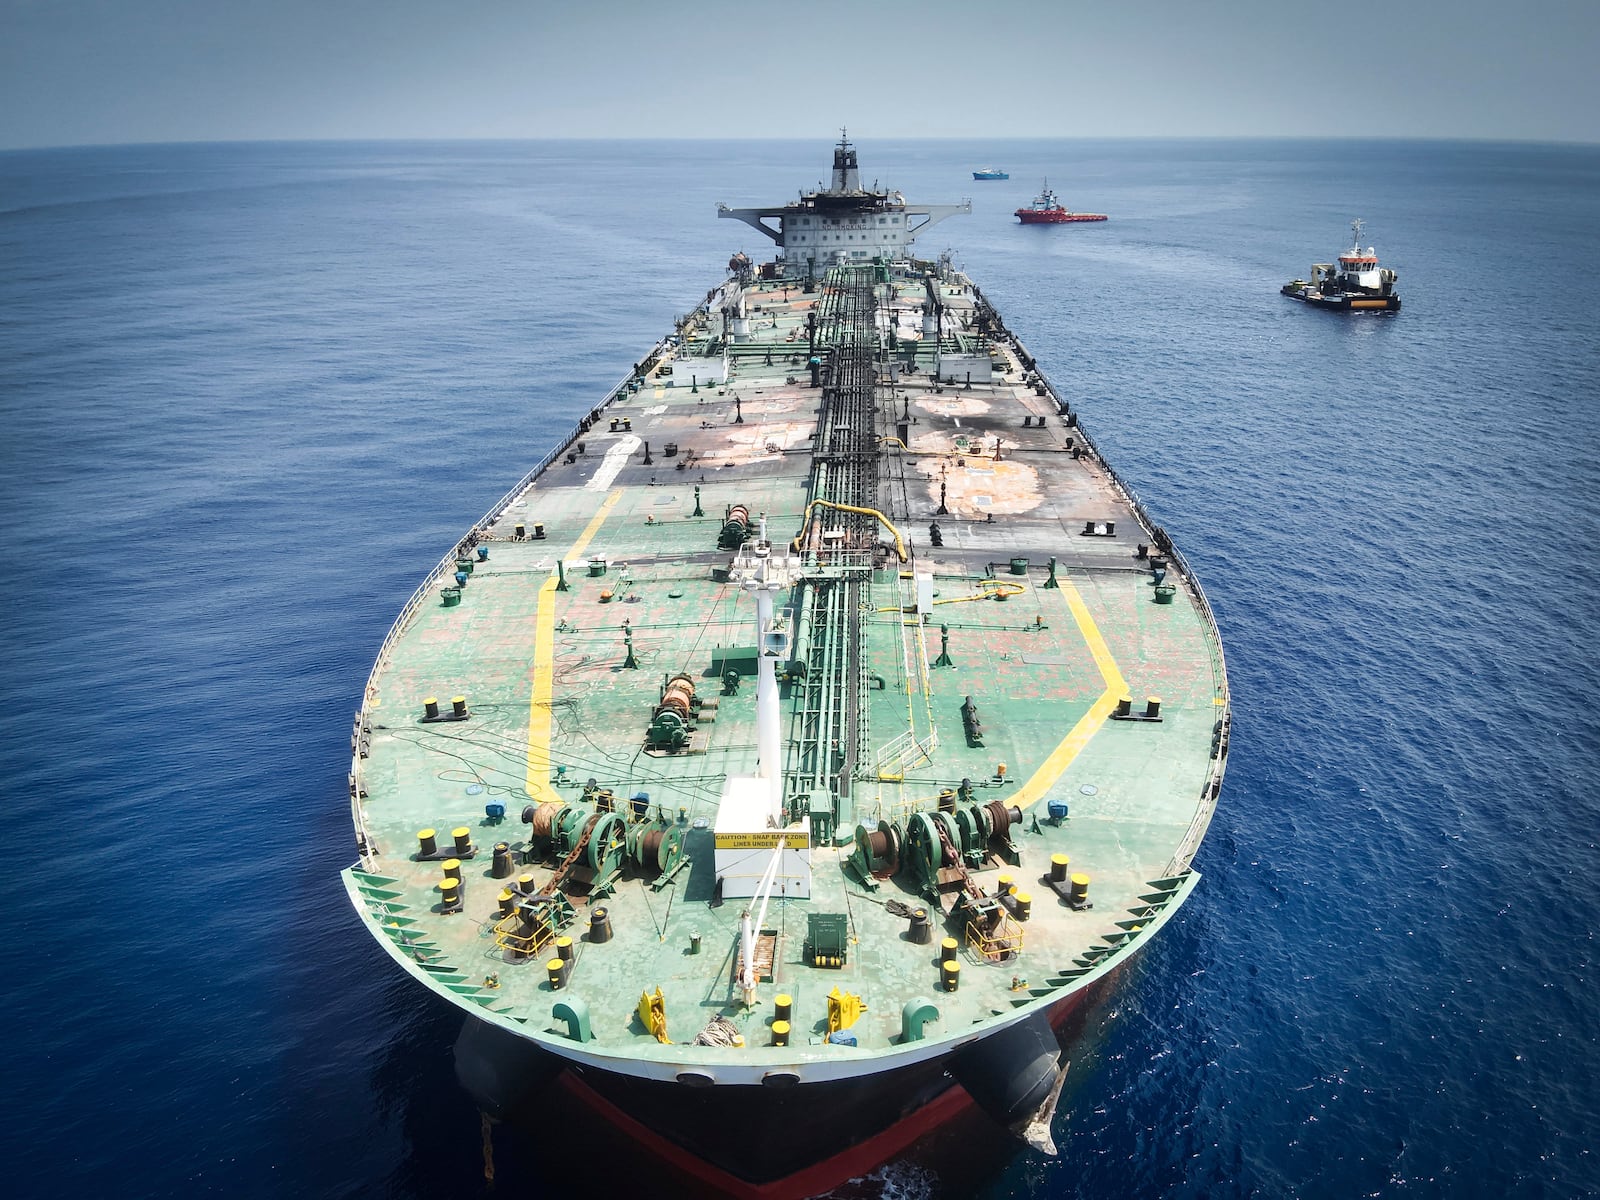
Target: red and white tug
1047, 210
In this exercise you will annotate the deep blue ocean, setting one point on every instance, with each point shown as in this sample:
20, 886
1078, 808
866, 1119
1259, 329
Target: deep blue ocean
250, 393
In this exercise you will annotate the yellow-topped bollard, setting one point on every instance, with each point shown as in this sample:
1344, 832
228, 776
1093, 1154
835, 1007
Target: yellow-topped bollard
921, 927
427, 843
1058, 867
780, 1033
782, 1006
463, 839
452, 868
950, 974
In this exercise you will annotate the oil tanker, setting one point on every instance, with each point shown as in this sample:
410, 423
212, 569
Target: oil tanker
782, 762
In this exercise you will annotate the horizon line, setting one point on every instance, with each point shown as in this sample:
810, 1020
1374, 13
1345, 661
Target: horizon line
1132, 137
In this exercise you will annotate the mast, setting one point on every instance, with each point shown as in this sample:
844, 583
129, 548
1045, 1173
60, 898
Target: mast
846, 174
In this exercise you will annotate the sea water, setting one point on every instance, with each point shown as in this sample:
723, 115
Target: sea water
250, 393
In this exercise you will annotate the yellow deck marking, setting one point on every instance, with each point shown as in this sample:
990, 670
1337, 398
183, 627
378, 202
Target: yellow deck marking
1053, 767
544, 646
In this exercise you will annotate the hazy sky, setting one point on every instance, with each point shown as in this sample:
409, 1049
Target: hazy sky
100, 71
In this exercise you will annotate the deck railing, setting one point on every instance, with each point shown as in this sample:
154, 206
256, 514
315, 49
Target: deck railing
1190, 841
1003, 941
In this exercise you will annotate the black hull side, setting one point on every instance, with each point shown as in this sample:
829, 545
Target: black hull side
1344, 302
762, 1135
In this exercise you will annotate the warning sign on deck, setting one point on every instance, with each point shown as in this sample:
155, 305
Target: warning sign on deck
765, 840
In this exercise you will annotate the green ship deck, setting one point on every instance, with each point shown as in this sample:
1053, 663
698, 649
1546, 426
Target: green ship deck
1043, 615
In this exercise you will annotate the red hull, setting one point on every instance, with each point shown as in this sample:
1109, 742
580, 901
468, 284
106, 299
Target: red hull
1056, 216
924, 1111
699, 1177
690, 1175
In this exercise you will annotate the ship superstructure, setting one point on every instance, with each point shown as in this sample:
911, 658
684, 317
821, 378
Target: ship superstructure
802, 740
842, 223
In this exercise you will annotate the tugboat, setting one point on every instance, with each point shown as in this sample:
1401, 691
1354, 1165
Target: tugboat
990, 173
1046, 209
1355, 282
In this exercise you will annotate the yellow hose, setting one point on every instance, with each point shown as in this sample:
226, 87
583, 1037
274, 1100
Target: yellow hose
1006, 588
894, 441
899, 542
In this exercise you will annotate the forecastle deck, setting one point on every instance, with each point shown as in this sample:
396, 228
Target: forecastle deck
988, 662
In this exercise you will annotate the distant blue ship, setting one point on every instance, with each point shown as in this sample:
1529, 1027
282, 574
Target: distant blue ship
990, 173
